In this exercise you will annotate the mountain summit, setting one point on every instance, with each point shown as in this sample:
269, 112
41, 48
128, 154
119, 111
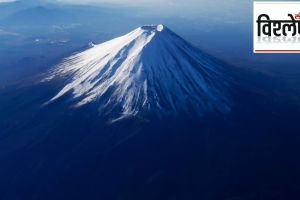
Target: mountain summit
150, 70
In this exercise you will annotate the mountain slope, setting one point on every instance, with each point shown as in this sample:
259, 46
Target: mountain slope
149, 70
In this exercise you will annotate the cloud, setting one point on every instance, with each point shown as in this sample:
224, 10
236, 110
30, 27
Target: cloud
3, 32
217, 8
191, 3
164, 3
208, 10
124, 2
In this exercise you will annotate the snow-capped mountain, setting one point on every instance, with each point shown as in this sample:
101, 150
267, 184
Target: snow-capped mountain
150, 70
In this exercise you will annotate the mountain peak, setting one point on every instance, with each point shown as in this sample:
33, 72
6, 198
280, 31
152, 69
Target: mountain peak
136, 74
155, 28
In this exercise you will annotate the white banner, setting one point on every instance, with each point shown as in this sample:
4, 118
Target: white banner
276, 27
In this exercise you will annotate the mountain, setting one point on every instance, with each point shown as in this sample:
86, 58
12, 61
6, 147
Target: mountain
62, 152
150, 70
39, 15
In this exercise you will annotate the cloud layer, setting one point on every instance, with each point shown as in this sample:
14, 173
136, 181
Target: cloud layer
6, 1
213, 9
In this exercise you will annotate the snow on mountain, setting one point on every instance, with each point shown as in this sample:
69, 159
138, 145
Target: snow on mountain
149, 70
